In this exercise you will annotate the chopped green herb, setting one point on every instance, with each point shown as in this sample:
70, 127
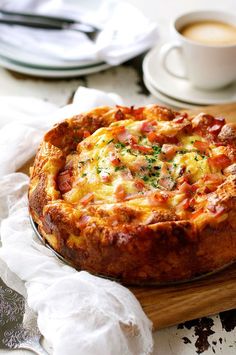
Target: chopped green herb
149, 159
111, 140
120, 145
156, 149
117, 168
154, 184
84, 174
145, 178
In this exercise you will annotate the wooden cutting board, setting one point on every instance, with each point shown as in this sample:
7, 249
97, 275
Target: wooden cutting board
169, 305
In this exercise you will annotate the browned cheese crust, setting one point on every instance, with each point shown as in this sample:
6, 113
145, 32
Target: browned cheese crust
140, 195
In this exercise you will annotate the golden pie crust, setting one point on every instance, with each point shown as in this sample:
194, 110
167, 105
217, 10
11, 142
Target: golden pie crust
142, 195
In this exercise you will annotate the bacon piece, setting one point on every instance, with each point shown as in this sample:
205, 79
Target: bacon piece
220, 161
202, 121
126, 174
161, 139
167, 182
180, 118
230, 170
146, 127
216, 126
158, 198
186, 188
215, 129
136, 112
216, 178
120, 193
114, 159
139, 184
64, 181
155, 138
212, 181
119, 115
142, 148
86, 134
175, 127
87, 145
168, 151
171, 140
216, 209
220, 120
185, 204
87, 198
83, 221
124, 109
105, 177
185, 177
228, 132
140, 164
133, 140
125, 137
197, 213
154, 123
201, 146
118, 129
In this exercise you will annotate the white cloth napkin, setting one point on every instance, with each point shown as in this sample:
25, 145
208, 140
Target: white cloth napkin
125, 31
78, 313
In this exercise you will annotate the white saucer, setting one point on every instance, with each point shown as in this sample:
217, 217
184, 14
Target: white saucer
181, 89
52, 73
165, 99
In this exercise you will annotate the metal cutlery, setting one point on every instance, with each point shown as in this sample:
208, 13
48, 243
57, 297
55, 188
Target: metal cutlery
14, 332
45, 22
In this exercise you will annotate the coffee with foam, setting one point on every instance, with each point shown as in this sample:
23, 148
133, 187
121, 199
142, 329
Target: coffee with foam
210, 32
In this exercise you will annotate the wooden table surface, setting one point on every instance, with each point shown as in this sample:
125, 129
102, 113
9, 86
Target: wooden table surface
208, 335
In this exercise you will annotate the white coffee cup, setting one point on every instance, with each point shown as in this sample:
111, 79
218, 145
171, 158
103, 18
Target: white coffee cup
207, 66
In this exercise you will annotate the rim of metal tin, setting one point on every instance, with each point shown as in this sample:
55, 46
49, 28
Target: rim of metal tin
132, 283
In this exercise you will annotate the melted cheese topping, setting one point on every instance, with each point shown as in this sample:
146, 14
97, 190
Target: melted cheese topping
122, 162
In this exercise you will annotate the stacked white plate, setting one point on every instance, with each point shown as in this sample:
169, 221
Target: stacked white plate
179, 92
28, 63
23, 59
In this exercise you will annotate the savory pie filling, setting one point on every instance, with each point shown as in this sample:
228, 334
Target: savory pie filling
163, 164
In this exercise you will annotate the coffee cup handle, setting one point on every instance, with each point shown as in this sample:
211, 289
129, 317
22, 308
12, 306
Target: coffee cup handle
165, 51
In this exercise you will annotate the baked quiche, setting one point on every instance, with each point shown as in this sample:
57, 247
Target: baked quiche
142, 195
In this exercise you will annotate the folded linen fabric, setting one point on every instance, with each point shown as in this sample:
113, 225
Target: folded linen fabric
125, 31
78, 313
